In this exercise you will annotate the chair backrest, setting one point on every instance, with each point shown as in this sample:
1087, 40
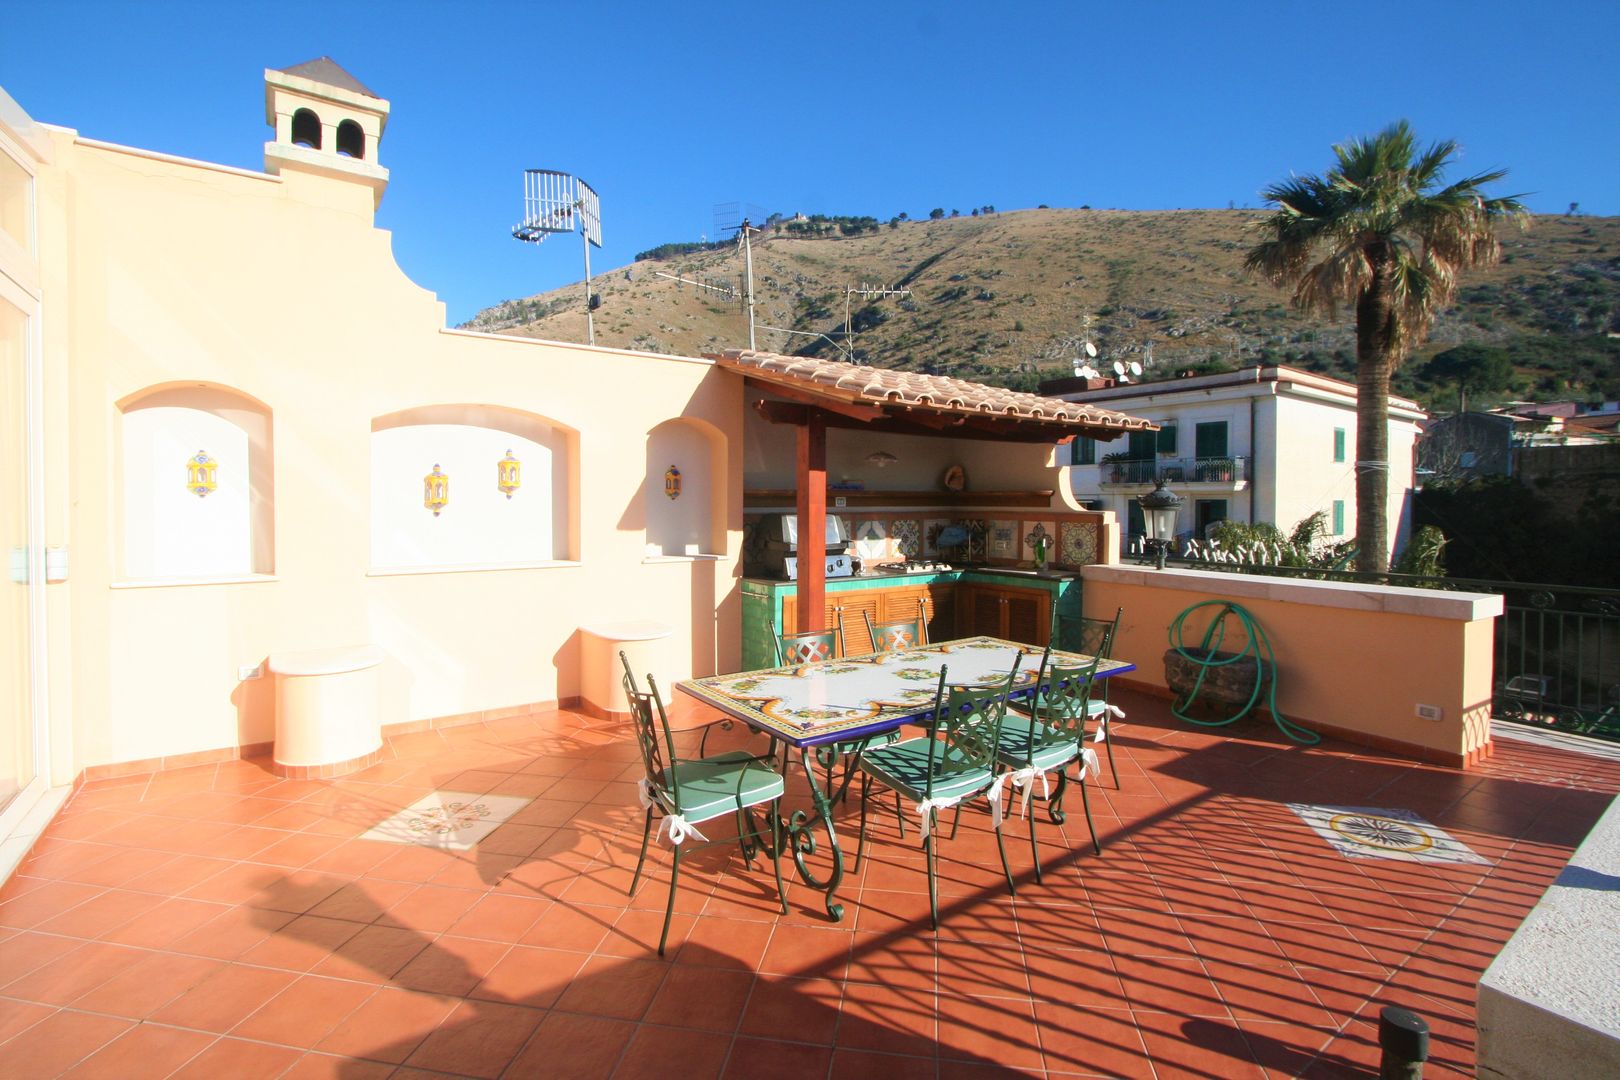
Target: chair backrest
811, 647
897, 635
1097, 635
1063, 702
653, 737
967, 725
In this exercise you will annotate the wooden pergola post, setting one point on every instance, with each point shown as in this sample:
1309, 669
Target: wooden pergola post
812, 512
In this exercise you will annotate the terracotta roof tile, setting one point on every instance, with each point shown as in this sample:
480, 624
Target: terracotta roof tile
940, 392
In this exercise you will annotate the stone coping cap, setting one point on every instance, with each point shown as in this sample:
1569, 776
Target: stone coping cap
1564, 956
1394, 599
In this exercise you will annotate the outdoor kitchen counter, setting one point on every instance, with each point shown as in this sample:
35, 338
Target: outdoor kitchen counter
1001, 601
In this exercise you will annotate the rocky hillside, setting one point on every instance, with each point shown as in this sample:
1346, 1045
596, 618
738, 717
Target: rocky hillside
1003, 298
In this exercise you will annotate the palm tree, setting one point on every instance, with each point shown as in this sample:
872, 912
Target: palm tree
1380, 232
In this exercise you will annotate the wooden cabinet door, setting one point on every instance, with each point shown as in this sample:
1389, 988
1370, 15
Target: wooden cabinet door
978, 611
845, 609
942, 611
1027, 616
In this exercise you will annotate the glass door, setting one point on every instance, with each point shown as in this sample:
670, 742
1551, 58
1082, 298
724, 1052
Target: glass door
17, 745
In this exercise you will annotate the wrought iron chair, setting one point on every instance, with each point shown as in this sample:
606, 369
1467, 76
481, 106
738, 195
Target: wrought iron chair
1097, 639
810, 647
952, 764
686, 792
898, 635
1052, 736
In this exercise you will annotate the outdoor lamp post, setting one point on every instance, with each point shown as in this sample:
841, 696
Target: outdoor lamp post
1159, 509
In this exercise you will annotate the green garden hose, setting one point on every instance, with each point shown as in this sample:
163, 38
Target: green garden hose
1208, 657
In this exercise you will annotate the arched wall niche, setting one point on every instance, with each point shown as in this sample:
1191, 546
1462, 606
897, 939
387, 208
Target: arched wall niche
169, 532
695, 522
479, 525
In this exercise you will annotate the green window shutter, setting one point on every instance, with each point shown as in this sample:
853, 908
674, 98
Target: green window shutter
1209, 440
1167, 439
1338, 517
1142, 446
1083, 451
1338, 444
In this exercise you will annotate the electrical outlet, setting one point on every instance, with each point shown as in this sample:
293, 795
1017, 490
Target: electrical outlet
250, 671
1427, 712
839, 502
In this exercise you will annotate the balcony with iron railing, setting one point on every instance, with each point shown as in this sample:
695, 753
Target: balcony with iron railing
1229, 473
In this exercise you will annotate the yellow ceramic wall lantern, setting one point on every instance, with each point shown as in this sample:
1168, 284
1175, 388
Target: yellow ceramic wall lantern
672, 482
201, 473
509, 472
435, 490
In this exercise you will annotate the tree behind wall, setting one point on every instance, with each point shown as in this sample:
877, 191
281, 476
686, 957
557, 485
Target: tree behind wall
1379, 231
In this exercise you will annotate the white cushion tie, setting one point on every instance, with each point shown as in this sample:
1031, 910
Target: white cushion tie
676, 827
993, 793
1024, 780
1088, 761
926, 808
1102, 721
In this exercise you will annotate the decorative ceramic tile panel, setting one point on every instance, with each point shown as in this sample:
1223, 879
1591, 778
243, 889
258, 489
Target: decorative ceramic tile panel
975, 549
1003, 540
1032, 529
1077, 543
810, 703
932, 527
448, 820
1369, 832
909, 532
871, 529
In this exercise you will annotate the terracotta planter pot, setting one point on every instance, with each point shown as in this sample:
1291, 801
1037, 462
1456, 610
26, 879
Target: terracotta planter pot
1230, 684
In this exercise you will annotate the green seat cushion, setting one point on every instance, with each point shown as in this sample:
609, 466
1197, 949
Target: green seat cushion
871, 742
1048, 750
903, 766
723, 784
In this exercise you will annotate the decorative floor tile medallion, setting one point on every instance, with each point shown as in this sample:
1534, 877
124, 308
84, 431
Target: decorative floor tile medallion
1370, 832
448, 820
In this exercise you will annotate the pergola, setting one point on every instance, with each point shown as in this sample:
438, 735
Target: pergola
813, 395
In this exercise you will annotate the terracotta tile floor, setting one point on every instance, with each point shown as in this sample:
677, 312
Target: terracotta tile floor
219, 922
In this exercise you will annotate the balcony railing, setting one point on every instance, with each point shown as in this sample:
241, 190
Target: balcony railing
1195, 470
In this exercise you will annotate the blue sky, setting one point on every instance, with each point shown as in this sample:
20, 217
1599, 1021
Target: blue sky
668, 109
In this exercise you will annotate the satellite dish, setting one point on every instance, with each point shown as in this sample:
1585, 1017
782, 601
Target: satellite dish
1136, 370
1119, 368
1086, 371
1091, 350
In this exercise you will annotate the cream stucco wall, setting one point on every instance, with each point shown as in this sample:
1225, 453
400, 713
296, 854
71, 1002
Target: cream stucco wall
1357, 659
161, 271
1307, 478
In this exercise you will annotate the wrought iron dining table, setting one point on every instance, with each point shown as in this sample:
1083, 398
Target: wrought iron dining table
803, 707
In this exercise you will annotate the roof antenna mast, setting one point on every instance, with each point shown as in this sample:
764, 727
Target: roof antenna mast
557, 202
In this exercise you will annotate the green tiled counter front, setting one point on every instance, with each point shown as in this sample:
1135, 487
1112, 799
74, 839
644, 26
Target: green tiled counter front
762, 602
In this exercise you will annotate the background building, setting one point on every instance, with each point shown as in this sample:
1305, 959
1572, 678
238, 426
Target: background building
1265, 444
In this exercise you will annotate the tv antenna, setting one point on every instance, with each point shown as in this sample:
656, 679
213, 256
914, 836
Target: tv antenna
744, 233
558, 202
868, 292
728, 292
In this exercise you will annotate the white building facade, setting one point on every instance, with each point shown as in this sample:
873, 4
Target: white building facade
1265, 444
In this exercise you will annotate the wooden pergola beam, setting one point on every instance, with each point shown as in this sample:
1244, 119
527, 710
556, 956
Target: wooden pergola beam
855, 410
811, 459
